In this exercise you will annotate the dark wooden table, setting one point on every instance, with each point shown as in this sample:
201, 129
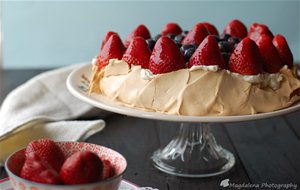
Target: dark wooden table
266, 151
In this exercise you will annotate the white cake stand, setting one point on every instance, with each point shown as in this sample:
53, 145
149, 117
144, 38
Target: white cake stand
193, 152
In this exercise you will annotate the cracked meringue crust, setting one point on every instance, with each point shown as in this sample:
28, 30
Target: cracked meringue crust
192, 92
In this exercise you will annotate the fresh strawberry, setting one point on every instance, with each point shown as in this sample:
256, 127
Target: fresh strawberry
165, 57
256, 30
211, 28
284, 51
108, 170
81, 167
268, 52
37, 170
196, 35
137, 53
48, 151
246, 58
171, 28
112, 49
207, 53
236, 28
140, 30
108, 34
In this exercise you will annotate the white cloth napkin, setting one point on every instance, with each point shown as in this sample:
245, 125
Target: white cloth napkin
43, 107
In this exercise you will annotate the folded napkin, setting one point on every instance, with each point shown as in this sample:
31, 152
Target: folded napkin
43, 107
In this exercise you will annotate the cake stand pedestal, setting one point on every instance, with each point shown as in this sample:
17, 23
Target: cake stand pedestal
193, 152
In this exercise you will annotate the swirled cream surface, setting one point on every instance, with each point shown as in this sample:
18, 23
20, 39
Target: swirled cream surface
195, 92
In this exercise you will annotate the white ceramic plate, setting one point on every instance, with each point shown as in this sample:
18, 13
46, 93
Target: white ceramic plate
125, 185
77, 85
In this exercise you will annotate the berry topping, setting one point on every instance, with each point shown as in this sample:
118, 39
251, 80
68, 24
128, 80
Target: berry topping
171, 28
268, 52
234, 40
112, 49
284, 51
236, 29
151, 43
211, 28
141, 31
107, 36
246, 58
226, 46
196, 35
47, 150
187, 51
172, 36
256, 30
165, 57
81, 167
137, 53
38, 170
224, 37
157, 37
179, 38
208, 53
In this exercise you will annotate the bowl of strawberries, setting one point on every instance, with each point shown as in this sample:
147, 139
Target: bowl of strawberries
45, 164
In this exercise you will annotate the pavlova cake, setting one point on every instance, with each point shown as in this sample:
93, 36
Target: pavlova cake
198, 72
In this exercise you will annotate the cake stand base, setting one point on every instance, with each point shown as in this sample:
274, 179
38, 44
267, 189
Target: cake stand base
193, 152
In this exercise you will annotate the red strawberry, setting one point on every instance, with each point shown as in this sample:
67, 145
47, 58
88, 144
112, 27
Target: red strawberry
268, 52
256, 30
137, 53
236, 28
211, 28
37, 170
112, 49
196, 35
108, 170
171, 28
140, 30
207, 53
81, 167
108, 34
48, 151
284, 51
246, 58
165, 57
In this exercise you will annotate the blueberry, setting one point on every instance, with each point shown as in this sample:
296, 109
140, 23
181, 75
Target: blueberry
216, 37
178, 44
178, 38
185, 47
234, 40
170, 35
157, 37
226, 57
151, 43
224, 37
225, 46
195, 45
184, 33
188, 53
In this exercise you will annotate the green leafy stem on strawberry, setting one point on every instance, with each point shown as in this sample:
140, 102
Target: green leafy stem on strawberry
236, 50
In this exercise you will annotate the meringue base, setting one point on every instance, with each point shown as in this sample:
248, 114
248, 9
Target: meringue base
192, 93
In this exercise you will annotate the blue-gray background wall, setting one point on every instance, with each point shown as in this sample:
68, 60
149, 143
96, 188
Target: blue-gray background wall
53, 34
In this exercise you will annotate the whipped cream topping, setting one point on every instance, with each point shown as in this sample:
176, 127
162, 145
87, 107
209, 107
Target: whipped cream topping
146, 74
204, 67
94, 61
266, 79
